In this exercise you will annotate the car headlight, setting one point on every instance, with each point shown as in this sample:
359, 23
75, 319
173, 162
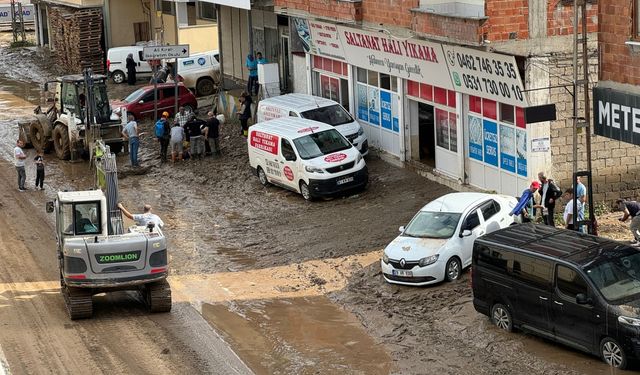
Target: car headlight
629, 321
313, 169
428, 260
360, 131
385, 258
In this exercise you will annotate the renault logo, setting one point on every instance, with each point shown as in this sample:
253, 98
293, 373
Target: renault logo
402, 262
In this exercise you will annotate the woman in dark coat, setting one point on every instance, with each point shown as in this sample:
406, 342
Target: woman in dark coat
131, 70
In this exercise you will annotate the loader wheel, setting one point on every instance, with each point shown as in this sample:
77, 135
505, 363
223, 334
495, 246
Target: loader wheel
61, 142
37, 137
158, 296
79, 302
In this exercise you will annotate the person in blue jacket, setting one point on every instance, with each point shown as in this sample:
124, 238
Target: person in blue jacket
525, 204
252, 65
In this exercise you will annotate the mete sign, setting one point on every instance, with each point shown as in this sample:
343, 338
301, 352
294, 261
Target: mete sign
166, 52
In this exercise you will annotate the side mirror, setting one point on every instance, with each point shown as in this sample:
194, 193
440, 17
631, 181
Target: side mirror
141, 102
49, 207
582, 299
465, 233
401, 229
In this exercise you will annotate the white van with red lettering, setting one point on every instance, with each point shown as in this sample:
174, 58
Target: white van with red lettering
314, 108
306, 156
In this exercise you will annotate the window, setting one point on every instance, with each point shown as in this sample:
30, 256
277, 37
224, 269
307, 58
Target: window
495, 259
169, 92
535, 272
69, 97
141, 55
287, 151
81, 218
333, 115
322, 143
507, 113
292, 114
207, 11
362, 75
489, 209
472, 221
148, 97
446, 130
385, 81
141, 32
569, 282
373, 78
428, 224
168, 7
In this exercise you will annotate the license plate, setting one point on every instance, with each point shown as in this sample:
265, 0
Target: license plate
402, 273
343, 181
130, 256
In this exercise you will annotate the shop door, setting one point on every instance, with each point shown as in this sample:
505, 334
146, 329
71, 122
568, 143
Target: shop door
426, 140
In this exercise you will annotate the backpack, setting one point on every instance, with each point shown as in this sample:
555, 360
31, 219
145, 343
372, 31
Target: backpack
160, 128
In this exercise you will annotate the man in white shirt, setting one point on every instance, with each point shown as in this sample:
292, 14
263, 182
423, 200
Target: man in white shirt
568, 215
19, 158
142, 219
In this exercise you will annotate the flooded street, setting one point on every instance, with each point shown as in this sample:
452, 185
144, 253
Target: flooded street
262, 280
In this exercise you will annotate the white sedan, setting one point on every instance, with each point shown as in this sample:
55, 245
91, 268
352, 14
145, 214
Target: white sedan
437, 243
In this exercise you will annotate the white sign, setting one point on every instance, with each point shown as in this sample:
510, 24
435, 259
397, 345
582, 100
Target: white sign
540, 144
166, 52
412, 59
487, 75
325, 40
5, 13
242, 4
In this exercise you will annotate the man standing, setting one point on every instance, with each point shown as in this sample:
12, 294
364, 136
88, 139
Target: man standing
550, 194
212, 132
568, 215
631, 209
130, 132
182, 117
252, 65
163, 133
244, 114
525, 204
143, 219
131, 70
196, 140
19, 157
581, 191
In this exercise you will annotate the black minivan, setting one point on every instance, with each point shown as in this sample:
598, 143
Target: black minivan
580, 290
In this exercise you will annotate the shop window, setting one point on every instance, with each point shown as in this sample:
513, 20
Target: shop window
520, 122
362, 75
413, 88
385, 81
344, 93
451, 98
440, 95
315, 84
317, 62
426, 92
337, 67
168, 7
345, 69
475, 104
506, 113
373, 78
453, 132
394, 84
446, 131
489, 108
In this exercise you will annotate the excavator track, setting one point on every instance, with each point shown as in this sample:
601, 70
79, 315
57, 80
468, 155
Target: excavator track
78, 301
158, 296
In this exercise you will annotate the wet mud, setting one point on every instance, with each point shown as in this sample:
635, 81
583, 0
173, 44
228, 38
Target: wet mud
259, 262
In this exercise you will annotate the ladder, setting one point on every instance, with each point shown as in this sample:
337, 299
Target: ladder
17, 22
582, 119
107, 181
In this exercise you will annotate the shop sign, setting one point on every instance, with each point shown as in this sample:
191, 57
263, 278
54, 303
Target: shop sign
374, 106
265, 142
616, 115
363, 106
540, 144
487, 75
521, 151
475, 138
490, 142
5, 13
385, 110
508, 148
412, 59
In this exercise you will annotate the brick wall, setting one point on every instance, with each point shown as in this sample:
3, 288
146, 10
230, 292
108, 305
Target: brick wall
460, 29
618, 62
508, 19
343, 10
389, 12
615, 165
560, 18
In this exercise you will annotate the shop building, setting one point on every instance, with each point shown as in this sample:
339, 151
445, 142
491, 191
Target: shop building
446, 87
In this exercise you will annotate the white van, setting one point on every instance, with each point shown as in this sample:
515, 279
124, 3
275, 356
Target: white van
314, 108
117, 63
308, 157
200, 72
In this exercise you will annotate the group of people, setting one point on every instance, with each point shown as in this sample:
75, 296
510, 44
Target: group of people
252, 65
540, 200
19, 158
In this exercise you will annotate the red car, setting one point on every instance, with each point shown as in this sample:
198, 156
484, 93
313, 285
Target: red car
140, 102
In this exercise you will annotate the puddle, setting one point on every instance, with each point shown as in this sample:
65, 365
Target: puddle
297, 336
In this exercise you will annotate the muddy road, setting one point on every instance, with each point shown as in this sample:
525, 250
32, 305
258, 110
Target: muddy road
293, 287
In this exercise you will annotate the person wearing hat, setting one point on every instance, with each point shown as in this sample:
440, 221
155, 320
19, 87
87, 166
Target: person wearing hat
163, 134
525, 204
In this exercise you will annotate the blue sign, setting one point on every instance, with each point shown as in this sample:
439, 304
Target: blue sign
363, 109
507, 162
490, 130
385, 109
521, 151
374, 106
396, 125
202, 61
507, 148
475, 138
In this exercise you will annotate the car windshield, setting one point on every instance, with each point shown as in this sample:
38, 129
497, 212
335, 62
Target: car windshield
134, 96
81, 218
428, 224
321, 143
616, 273
333, 115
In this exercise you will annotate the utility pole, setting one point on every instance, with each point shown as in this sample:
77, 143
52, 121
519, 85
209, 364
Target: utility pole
580, 122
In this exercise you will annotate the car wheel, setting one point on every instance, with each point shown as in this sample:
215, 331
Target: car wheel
205, 87
612, 353
501, 317
118, 77
263, 177
304, 190
453, 269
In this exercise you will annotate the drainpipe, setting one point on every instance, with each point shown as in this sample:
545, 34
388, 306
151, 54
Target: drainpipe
106, 22
220, 57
